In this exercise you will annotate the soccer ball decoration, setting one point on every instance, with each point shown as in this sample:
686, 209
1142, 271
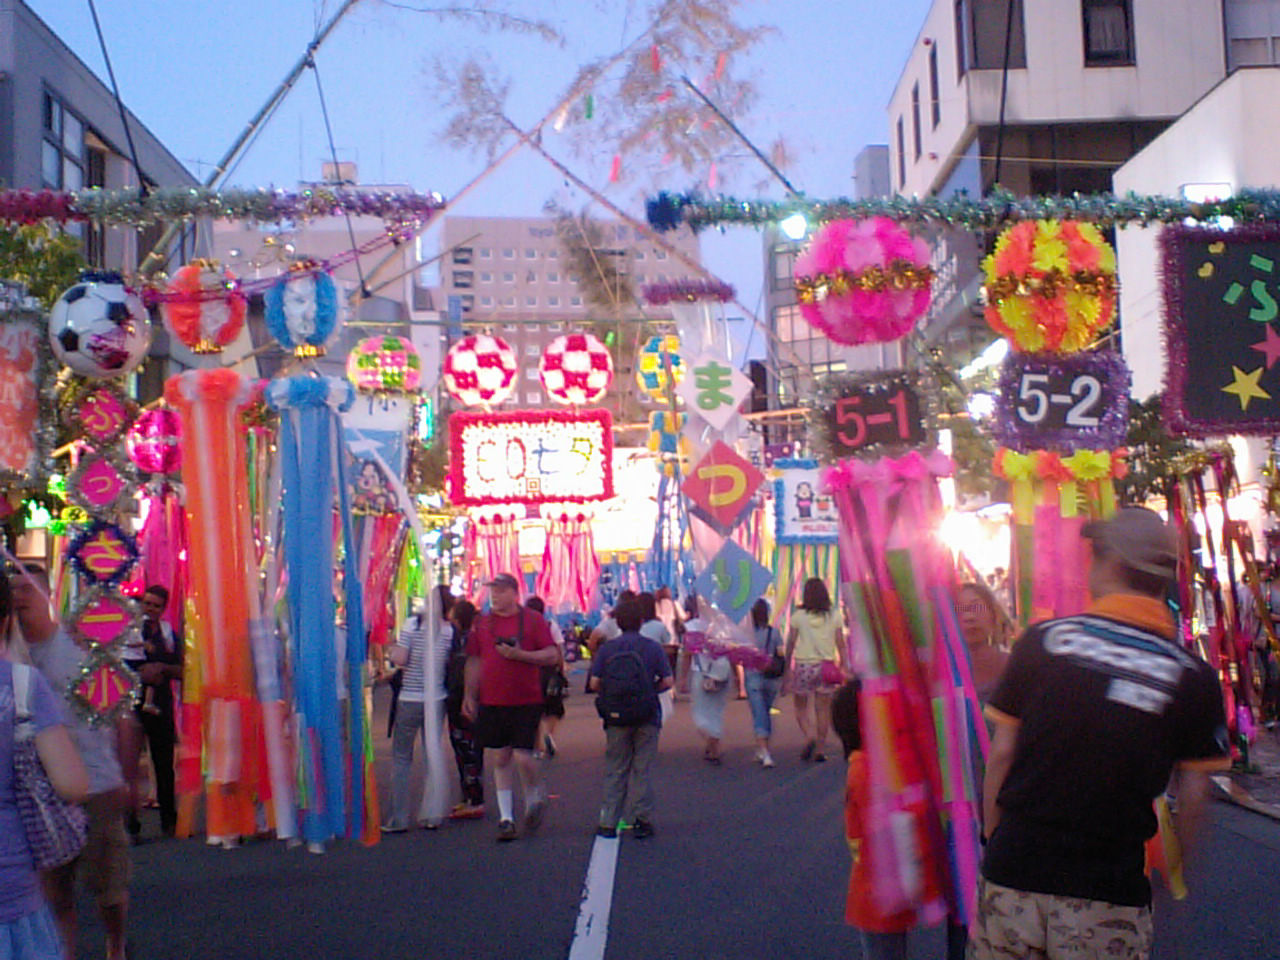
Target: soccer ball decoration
480, 369
207, 309
576, 369
652, 361
99, 328
382, 365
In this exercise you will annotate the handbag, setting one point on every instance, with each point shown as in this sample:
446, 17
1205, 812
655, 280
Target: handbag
777, 662
712, 681
830, 674
555, 685
56, 830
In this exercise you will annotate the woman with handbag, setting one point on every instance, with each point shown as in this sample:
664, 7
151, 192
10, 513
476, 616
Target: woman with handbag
555, 685
764, 683
31, 711
814, 650
709, 684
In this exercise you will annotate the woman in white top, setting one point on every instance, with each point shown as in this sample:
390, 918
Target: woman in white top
815, 651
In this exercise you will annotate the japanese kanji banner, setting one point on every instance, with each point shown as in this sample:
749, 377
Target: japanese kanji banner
1221, 304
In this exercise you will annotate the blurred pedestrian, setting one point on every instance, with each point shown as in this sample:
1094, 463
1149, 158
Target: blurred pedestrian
709, 684
28, 930
504, 696
655, 629
980, 623
1093, 715
814, 650
467, 752
764, 683
628, 674
554, 683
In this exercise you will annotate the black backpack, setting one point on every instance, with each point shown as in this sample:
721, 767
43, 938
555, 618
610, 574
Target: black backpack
626, 696
455, 673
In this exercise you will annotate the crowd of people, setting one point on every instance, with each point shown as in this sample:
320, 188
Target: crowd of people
1091, 717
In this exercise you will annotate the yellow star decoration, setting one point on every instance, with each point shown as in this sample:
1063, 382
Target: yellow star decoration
1245, 386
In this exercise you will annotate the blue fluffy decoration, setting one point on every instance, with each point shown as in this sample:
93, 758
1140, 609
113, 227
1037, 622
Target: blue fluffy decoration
663, 211
326, 311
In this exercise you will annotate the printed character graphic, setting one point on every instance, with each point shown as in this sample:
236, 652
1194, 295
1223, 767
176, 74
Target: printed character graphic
372, 495
804, 500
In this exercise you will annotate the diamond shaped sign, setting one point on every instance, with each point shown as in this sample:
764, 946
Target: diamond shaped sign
103, 414
102, 617
732, 581
714, 390
102, 553
105, 689
721, 487
97, 484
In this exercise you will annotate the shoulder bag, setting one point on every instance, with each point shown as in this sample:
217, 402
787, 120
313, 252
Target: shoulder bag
56, 830
777, 661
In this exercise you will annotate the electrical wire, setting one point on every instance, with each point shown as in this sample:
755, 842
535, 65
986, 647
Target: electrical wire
115, 89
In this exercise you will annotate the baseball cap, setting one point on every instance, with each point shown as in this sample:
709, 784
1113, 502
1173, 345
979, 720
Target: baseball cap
504, 580
1139, 538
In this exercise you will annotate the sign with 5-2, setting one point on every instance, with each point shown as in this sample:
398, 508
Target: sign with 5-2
1062, 403
884, 412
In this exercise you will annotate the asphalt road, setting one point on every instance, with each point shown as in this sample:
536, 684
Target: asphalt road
746, 863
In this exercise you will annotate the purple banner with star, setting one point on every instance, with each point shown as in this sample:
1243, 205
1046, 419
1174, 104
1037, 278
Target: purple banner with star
1222, 326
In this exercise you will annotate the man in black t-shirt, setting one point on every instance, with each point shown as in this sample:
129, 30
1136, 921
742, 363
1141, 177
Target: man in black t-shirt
1092, 716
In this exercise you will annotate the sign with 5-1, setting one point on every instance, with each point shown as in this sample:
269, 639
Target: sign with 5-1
1062, 403
884, 412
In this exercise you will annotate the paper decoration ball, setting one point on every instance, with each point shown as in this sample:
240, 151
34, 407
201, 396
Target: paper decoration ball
154, 442
576, 369
863, 281
480, 369
385, 365
99, 328
652, 361
207, 312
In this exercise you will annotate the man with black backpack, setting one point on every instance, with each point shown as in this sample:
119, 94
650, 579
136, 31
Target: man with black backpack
627, 673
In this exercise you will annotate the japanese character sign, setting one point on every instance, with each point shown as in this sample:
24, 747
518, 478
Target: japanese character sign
530, 456
714, 390
732, 581
721, 487
104, 617
102, 553
1222, 310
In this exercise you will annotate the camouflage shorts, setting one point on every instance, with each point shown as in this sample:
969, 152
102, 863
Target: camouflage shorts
1015, 925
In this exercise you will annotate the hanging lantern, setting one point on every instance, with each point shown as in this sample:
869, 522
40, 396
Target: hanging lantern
301, 309
480, 369
385, 365
206, 310
863, 281
576, 369
154, 441
99, 328
659, 352
1051, 285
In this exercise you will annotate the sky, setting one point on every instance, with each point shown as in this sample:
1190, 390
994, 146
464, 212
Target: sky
194, 73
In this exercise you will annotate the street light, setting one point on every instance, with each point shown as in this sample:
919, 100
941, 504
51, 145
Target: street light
794, 227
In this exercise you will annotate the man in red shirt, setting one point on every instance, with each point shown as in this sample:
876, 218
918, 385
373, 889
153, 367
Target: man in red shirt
505, 653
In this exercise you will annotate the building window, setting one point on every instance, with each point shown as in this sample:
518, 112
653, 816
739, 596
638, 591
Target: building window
530, 301
554, 302
660, 254
508, 278
532, 349
915, 117
784, 260
462, 254
553, 277
553, 254
486, 277
486, 301
980, 34
486, 253
532, 398
1108, 33
530, 253
571, 277
463, 278
62, 150
468, 302
639, 254
554, 327
902, 155
531, 276
508, 253
935, 104
531, 373
575, 301
641, 278
1253, 51
787, 323
509, 302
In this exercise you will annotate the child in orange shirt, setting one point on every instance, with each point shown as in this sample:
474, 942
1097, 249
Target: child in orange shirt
884, 936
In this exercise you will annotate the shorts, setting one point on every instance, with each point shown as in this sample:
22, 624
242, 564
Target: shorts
500, 727
553, 707
104, 863
805, 679
1014, 924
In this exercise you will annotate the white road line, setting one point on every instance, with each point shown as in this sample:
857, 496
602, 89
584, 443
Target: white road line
592, 930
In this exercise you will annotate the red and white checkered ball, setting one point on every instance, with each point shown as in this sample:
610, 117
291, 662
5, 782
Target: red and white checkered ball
480, 369
576, 369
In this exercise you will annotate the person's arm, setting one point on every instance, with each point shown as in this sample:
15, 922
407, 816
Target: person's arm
791, 642
999, 760
545, 657
841, 656
61, 761
1192, 790
471, 686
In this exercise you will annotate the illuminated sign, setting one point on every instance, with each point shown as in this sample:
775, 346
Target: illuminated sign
530, 456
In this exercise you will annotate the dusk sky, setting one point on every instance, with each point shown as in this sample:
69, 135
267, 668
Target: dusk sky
195, 73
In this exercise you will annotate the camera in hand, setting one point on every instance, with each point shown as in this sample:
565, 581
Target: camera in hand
505, 641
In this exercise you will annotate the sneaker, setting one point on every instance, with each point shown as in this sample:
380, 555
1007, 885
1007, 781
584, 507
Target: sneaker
429, 824
467, 811
506, 831
609, 833
759, 756
766, 761
533, 815
393, 827
642, 829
